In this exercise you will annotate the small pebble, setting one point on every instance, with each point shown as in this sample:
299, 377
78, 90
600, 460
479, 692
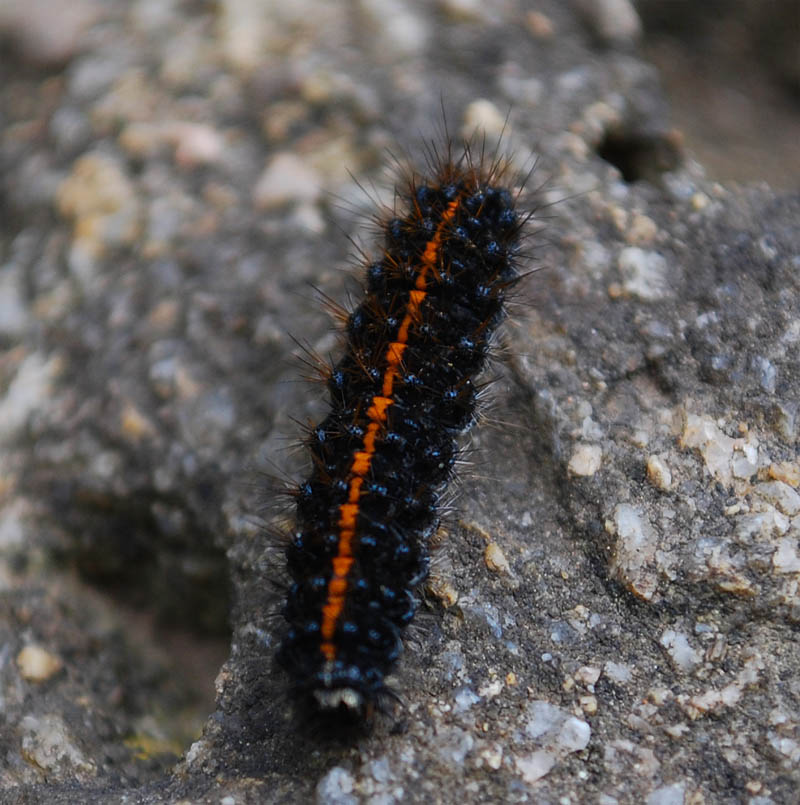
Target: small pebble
586, 459
613, 21
634, 555
785, 559
617, 672
335, 786
195, 143
781, 495
644, 273
535, 766
26, 393
135, 424
49, 746
658, 473
539, 25
443, 590
667, 795
642, 230
46, 33
495, 558
37, 664
587, 675
786, 471
683, 656
14, 316
483, 116
287, 179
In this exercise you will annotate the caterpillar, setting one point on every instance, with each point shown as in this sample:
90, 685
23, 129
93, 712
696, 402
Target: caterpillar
400, 396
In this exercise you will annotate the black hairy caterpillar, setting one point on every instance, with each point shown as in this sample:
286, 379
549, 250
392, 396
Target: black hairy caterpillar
400, 396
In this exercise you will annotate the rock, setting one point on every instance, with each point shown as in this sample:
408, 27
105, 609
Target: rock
195, 144
612, 20
29, 25
401, 32
14, 316
635, 551
680, 651
644, 273
786, 471
26, 392
37, 664
484, 118
658, 473
495, 559
554, 728
100, 199
785, 559
337, 786
558, 732
540, 25
781, 495
286, 179
588, 675
534, 766
667, 795
48, 744
586, 459
617, 672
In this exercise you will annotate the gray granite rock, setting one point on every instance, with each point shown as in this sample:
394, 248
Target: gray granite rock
613, 609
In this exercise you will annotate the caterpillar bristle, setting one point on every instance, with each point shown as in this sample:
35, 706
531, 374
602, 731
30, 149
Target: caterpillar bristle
404, 389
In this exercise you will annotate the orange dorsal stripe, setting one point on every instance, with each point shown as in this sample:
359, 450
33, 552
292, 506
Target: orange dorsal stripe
362, 459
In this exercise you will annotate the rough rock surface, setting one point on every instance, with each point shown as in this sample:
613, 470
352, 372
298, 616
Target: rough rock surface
613, 612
